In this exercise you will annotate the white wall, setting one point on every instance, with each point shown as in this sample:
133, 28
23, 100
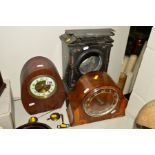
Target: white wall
18, 44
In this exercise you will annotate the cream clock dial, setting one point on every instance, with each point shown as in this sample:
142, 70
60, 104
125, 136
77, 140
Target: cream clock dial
42, 87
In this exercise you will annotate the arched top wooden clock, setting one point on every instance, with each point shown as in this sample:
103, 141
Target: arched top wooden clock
99, 98
41, 86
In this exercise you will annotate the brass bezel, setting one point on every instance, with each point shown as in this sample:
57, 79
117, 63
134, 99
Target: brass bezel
90, 98
41, 97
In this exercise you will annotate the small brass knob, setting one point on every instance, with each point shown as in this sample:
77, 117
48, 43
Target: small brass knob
54, 117
63, 125
33, 119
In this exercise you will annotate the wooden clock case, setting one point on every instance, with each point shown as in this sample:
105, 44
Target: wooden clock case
33, 68
85, 87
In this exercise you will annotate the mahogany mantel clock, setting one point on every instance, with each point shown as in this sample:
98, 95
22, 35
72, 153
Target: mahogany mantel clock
95, 97
41, 86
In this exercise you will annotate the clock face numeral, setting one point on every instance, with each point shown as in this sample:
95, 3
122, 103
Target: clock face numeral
42, 87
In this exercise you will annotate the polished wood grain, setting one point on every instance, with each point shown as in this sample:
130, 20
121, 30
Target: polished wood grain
84, 88
29, 72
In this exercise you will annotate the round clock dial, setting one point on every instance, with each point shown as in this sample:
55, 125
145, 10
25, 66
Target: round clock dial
102, 102
92, 63
42, 87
